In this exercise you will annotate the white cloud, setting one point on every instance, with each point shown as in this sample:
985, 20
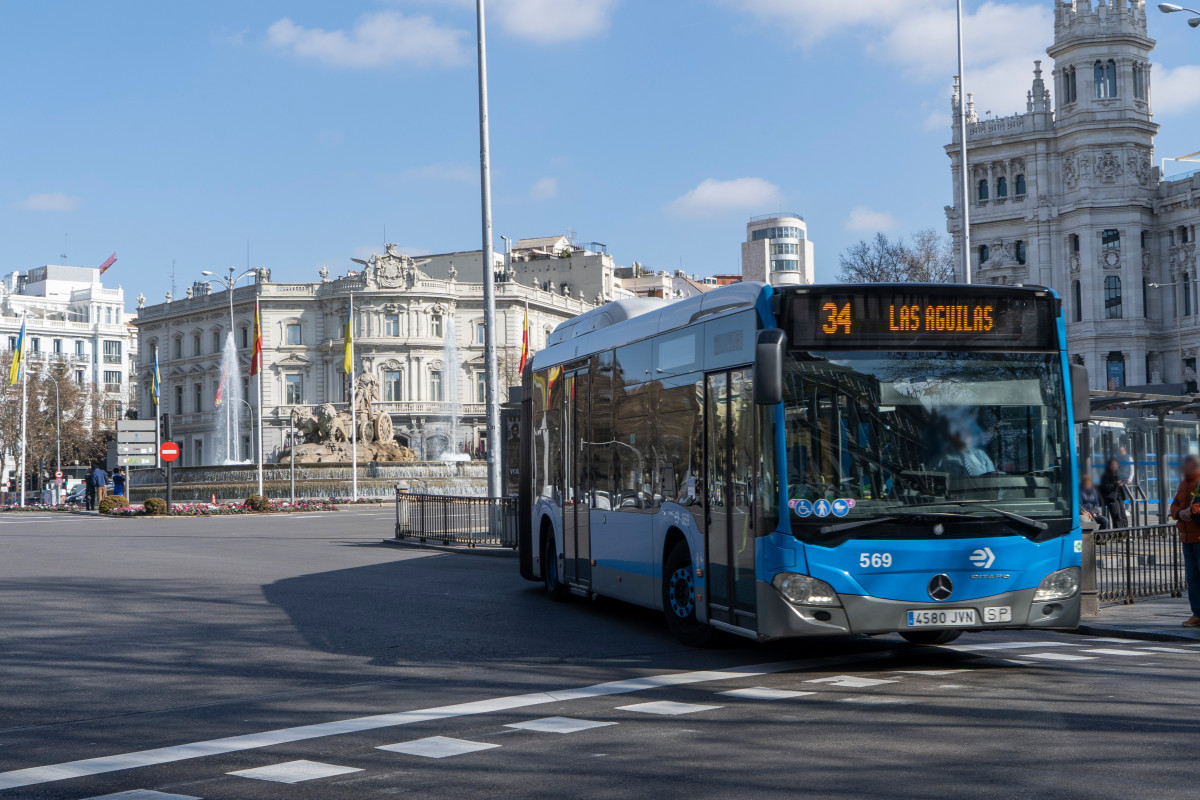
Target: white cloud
544, 21
740, 194
868, 220
1176, 90
554, 20
382, 39
920, 37
544, 189
50, 201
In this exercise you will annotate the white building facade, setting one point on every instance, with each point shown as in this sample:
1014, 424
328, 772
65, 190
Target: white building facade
1067, 195
403, 317
778, 251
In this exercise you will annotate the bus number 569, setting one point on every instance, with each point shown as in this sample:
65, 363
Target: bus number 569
875, 559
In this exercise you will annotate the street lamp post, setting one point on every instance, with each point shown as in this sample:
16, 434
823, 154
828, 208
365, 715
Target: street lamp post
490, 333
57, 441
1178, 322
965, 212
1171, 8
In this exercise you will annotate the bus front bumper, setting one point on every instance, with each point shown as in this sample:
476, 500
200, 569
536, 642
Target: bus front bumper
778, 619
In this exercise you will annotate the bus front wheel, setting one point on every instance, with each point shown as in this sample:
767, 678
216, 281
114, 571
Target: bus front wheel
931, 637
679, 598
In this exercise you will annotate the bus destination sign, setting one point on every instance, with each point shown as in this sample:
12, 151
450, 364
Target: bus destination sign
886, 317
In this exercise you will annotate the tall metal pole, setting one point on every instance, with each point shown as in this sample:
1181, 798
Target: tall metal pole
965, 211
353, 409
57, 442
259, 410
231, 446
24, 410
491, 367
1179, 332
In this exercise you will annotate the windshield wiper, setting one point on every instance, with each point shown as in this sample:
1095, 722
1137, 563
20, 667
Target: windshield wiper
862, 523
1037, 525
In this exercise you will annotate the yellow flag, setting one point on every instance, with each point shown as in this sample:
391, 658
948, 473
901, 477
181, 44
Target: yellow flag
348, 359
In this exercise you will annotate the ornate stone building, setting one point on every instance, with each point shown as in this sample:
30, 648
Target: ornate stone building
1067, 195
403, 321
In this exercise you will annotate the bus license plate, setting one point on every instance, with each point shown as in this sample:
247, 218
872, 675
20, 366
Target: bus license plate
942, 617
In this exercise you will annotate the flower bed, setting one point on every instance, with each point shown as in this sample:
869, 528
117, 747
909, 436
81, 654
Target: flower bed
39, 507
230, 509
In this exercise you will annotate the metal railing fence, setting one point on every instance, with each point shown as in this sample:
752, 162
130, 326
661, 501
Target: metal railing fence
1137, 563
470, 521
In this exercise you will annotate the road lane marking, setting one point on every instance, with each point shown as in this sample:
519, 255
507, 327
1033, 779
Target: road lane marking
875, 700
558, 725
935, 672
1170, 650
667, 708
1105, 652
1060, 657
294, 772
437, 747
763, 693
1112, 640
1006, 646
851, 681
31, 776
144, 794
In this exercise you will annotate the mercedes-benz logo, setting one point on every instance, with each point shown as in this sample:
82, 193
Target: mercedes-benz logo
941, 587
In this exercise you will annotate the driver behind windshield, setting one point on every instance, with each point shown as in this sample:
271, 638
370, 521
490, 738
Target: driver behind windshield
959, 456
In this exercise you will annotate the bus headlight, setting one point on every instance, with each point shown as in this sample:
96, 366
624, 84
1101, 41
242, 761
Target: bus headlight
805, 590
1058, 585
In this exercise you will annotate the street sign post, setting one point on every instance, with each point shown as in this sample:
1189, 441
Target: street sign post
137, 449
137, 461
168, 451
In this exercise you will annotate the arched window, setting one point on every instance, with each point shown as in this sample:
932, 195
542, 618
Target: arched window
1072, 86
983, 190
1139, 81
1021, 253
1112, 297
1077, 297
1106, 79
1021, 187
984, 253
1098, 74
1001, 187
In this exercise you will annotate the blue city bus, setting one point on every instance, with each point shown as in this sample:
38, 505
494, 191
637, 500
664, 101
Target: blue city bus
813, 460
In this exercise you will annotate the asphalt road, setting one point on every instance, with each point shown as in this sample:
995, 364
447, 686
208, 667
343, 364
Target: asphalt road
144, 656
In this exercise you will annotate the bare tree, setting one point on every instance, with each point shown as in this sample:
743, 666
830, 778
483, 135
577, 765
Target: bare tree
928, 259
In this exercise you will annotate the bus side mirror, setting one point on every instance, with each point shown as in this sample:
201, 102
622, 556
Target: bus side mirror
1080, 394
768, 367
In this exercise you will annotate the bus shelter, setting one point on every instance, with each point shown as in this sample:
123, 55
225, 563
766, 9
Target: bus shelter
1148, 434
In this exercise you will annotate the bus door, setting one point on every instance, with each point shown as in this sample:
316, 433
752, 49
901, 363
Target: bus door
577, 549
730, 490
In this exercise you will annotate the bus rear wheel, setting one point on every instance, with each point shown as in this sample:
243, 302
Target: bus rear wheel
553, 585
931, 637
679, 599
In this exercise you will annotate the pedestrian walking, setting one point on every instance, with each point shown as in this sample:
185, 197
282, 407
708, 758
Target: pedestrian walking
100, 478
1127, 470
1185, 509
118, 482
89, 492
1112, 492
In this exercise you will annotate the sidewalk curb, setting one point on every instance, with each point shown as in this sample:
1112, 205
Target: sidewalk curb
1148, 636
501, 552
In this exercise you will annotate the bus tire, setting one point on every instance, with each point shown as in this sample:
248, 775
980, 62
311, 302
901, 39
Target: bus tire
931, 637
679, 599
554, 587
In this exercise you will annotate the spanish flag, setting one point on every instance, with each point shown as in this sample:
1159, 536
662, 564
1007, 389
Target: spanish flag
348, 358
14, 372
524, 341
156, 385
256, 354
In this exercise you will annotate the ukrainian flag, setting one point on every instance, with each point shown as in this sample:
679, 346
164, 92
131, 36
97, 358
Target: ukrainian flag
156, 386
14, 372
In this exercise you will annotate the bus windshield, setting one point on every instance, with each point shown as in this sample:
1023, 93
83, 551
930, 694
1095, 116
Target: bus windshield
949, 444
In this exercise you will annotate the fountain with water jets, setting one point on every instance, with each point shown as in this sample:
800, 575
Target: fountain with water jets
229, 425
450, 371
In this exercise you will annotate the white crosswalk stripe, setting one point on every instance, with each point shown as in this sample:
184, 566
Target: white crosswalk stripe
851, 681
558, 725
1107, 652
763, 693
144, 794
437, 747
667, 708
1060, 657
294, 772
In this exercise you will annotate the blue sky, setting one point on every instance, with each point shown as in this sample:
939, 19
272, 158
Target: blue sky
169, 131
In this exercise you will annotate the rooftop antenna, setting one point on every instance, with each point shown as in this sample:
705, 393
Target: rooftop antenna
64, 252
571, 236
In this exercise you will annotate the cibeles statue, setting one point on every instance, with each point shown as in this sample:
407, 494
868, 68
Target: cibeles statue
325, 433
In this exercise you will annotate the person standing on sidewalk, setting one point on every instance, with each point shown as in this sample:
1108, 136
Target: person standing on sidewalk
1112, 492
1185, 508
119, 480
89, 492
100, 477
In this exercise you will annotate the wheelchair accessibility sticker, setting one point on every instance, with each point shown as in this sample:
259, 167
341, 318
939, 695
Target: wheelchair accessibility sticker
803, 508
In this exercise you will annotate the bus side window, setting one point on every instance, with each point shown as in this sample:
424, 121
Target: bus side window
603, 483
631, 451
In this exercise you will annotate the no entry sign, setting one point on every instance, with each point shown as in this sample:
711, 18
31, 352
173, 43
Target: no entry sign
168, 451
